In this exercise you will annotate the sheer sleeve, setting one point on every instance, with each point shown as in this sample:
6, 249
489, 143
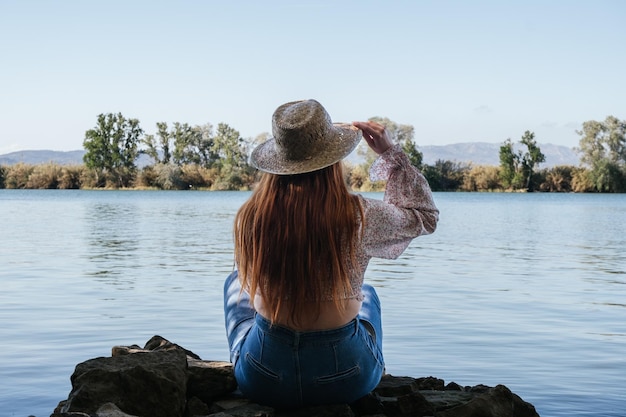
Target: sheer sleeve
406, 211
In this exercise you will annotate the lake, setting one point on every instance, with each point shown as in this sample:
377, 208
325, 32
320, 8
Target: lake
525, 290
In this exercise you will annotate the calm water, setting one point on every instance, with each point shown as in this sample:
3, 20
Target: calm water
525, 290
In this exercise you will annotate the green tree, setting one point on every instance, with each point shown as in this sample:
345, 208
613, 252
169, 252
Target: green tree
205, 145
185, 143
193, 145
112, 147
181, 144
415, 156
530, 158
160, 148
509, 164
603, 149
445, 175
608, 176
517, 168
229, 146
219, 156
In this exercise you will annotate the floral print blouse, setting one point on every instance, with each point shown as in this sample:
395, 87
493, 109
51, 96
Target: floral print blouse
406, 211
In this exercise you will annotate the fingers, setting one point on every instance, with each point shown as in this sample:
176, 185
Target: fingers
371, 130
375, 135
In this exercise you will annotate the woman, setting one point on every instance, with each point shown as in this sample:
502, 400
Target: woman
302, 326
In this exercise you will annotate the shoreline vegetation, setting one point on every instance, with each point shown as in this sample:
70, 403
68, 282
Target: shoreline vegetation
188, 157
444, 176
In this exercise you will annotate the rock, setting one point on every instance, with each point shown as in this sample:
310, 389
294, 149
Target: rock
145, 384
401, 396
248, 410
413, 404
209, 380
196, 407
453, 386
390, 386
335, 410
126, 350
163, 379
111, 410
158, 343
495, 402
443, 400
71, 414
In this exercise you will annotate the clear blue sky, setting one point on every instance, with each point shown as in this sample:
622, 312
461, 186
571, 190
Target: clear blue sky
458, 71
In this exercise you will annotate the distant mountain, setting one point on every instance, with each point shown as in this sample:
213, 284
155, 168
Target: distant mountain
483, 153
59, 157
478, 153
42, 157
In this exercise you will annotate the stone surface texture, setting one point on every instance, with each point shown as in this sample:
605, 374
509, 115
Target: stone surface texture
163, 379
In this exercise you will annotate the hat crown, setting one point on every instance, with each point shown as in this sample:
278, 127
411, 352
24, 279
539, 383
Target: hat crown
301, 129
304, 140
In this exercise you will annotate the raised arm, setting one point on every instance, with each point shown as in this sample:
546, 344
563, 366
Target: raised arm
407, 209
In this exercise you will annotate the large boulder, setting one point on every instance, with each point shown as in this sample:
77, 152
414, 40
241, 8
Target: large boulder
163, 379
144, 384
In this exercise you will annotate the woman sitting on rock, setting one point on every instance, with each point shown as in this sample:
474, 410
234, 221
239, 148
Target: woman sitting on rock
302, 326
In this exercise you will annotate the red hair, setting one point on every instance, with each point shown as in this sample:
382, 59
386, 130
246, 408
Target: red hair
295, 241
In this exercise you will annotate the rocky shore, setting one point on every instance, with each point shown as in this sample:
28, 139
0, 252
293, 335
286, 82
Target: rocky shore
163, 379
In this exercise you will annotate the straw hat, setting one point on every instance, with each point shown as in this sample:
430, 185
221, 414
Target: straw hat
304, 140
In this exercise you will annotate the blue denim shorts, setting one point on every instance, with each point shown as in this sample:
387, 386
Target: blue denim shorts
283, 368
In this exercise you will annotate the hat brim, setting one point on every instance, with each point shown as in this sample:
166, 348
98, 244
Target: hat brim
346, 137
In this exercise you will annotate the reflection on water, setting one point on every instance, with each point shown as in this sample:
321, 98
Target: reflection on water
112, 242
526, 290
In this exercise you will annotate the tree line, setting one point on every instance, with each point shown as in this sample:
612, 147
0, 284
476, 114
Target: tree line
203, 157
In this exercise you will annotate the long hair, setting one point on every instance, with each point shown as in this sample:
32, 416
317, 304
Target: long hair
295, 241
